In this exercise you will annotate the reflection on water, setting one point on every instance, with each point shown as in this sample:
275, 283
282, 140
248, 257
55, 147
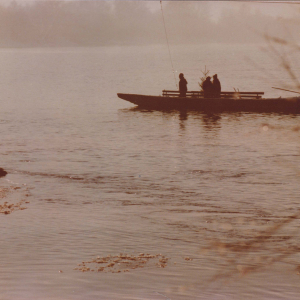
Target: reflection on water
211, 121
183, 116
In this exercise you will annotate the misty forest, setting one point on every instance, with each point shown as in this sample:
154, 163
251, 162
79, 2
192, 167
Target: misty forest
101, 23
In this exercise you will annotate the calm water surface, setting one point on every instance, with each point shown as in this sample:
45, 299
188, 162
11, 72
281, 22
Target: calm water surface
104, 178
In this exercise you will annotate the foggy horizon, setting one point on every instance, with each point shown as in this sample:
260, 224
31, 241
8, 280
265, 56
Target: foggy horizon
106, 23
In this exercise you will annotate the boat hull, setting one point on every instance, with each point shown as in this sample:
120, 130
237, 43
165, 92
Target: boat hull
290, 105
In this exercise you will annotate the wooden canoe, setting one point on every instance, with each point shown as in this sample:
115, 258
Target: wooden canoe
229, 103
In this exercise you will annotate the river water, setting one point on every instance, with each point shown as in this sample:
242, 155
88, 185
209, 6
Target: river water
125, 203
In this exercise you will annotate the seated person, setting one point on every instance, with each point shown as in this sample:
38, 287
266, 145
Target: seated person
207, 87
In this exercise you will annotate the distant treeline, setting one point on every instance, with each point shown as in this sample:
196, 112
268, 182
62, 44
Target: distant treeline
98, 23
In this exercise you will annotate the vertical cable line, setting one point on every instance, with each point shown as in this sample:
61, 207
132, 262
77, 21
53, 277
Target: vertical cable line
162, 12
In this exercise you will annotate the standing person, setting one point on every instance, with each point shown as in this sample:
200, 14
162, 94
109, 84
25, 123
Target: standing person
216, 86
182, 86
207, 87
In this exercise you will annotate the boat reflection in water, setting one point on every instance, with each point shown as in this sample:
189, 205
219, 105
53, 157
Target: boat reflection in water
210, 121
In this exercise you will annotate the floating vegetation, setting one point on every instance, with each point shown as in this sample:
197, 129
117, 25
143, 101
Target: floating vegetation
13, 202
122, 263
188, 258
3, 192
8, 208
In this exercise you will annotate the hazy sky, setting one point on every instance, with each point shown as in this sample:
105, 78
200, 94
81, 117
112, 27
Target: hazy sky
26, 23
273, 8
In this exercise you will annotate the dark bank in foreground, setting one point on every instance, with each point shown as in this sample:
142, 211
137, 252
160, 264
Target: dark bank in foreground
228, 101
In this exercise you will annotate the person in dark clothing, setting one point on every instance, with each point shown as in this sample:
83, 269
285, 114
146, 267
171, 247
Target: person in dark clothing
216, 86
207, 87
182, 86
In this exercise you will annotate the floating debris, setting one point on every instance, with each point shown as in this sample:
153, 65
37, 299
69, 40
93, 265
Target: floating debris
8, 208
122, 263
188, 258
14, 196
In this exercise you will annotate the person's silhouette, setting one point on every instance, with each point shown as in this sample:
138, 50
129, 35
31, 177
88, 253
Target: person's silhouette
216, 86
207, 87
182, 86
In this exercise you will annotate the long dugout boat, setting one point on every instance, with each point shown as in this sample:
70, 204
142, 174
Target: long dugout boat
228, 101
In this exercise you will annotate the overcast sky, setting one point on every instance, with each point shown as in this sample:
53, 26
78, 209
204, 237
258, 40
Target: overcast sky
276, 8
29, 23
273, 8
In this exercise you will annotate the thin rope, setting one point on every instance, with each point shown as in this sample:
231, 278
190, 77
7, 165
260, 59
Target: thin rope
168, 43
